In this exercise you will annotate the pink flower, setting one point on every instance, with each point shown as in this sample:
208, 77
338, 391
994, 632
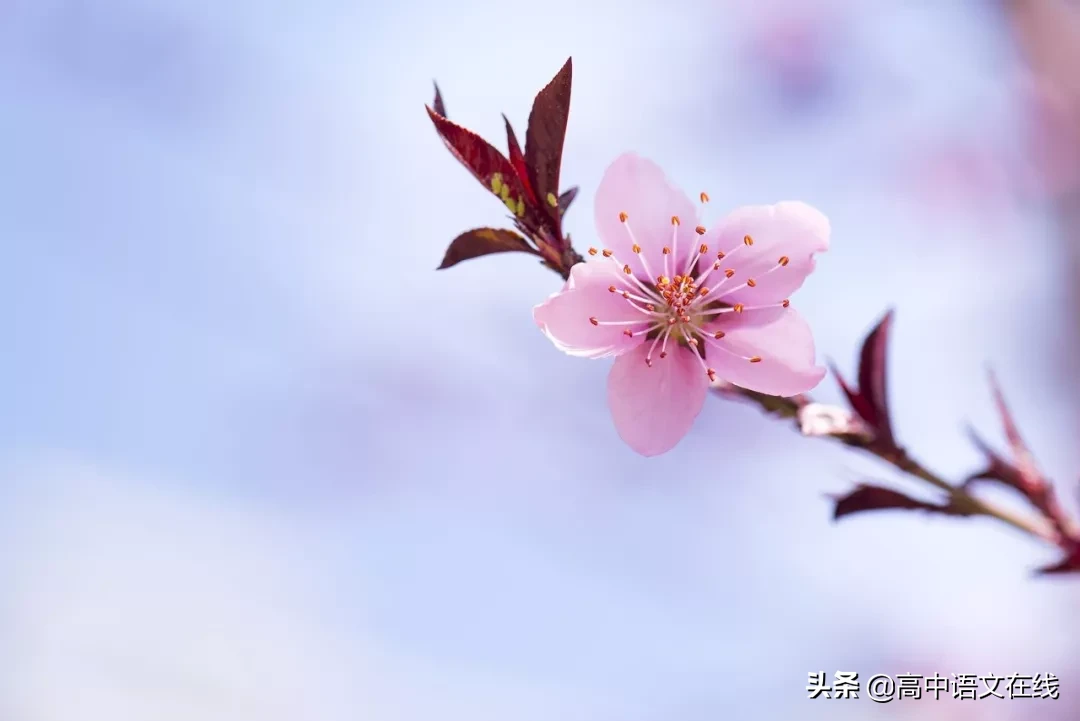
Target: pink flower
679, 305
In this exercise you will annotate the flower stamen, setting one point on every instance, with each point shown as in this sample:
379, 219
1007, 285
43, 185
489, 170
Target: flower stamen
750, 282
626, 276
663, 346
725, 349
648, 356
740, 308
701, 250
701, 361
635, 247
674, 244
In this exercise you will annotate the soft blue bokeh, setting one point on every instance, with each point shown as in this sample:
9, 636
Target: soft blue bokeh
260, 461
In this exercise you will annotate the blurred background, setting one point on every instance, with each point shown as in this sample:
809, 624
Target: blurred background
259, 461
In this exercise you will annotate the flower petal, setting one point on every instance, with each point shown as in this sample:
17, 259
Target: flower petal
654, 407
639, 188
786, 348
565, 316
791, 230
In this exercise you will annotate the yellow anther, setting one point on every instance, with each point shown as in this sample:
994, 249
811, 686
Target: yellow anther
496, 183
552, 200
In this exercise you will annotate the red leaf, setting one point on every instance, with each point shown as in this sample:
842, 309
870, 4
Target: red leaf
483, 241
858, 402
545, 137
1021, 472
872, 370
438, 105
877, 498
997, 468
871, 400
567, 198
1021, 454
487, 164
1069, 564
517, 159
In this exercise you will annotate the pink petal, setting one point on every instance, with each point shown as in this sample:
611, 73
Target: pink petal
639, 188
790, 230
786, 347
565, 316
654, 407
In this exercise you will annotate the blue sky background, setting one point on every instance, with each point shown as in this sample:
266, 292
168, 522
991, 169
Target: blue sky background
259, 461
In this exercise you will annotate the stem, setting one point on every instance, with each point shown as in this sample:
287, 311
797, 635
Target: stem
960, 499
967, 502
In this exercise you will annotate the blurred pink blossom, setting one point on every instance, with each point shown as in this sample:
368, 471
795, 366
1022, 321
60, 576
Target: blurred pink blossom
1048, 35
796, 49
1053, 138
953, 174
716, 298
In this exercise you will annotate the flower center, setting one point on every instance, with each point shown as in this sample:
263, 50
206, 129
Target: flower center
676, 304
684, 312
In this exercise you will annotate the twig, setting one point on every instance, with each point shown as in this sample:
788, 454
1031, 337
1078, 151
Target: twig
964, 502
